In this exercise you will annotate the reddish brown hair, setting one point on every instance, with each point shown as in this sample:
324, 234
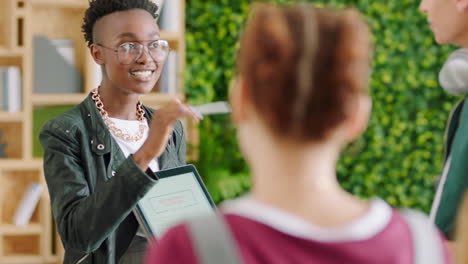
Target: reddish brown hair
304, 67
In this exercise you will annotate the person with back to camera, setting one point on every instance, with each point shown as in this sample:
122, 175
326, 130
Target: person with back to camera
299, 97
99, 157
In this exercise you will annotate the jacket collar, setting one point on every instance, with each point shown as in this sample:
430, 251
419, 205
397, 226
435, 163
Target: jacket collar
101, 139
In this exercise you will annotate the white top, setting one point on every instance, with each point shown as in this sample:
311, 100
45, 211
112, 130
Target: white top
132, 127
365, 227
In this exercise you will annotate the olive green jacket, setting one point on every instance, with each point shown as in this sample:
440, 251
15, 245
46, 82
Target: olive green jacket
93, 187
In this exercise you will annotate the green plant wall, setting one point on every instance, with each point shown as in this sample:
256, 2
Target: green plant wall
401, 152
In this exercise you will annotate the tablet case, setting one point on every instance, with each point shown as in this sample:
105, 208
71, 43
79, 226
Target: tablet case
139, 210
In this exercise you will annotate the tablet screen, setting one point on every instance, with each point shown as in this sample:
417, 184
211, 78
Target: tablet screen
174, 199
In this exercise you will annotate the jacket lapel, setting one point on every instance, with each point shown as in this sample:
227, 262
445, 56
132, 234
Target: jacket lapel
100, 135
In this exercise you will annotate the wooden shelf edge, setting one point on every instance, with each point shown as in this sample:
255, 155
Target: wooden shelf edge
57, 99
22, 259
61, 3
171, 36
11, 116
19, 164
20, 13
5, 52
52, 259
10, 229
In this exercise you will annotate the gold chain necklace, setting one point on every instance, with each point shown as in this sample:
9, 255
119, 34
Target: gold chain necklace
111, 125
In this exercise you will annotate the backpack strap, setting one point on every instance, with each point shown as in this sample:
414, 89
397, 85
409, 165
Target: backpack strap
212, 240
426, 241
213, 243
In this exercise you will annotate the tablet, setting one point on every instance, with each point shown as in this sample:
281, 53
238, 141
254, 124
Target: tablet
179, 194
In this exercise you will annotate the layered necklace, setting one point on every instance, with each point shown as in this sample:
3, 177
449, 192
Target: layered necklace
111, 125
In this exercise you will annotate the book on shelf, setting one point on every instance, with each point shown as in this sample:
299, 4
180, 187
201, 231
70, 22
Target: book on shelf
54, 69
170, 19
10, 89
65, 49
169, 81
27, 204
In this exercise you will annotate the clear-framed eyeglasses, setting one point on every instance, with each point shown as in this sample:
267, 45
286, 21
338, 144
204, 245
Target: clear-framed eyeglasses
130, 52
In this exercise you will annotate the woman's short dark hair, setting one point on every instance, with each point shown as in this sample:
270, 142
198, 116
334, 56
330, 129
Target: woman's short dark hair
100, 8
304, 67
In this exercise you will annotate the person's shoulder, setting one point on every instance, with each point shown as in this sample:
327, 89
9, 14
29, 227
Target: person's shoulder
69, 118
175, 246
67, 122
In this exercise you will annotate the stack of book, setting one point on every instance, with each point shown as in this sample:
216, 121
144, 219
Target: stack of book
10, 89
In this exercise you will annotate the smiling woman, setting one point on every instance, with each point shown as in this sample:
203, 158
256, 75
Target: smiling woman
99, 157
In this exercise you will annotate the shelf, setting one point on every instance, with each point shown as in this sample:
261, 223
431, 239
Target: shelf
52, 259
57, 99
11, 116
21, 246
61, 3
11, 140
31, 229
20, 13
24, 259
10, 53
173, 38
19, 164
170, 36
